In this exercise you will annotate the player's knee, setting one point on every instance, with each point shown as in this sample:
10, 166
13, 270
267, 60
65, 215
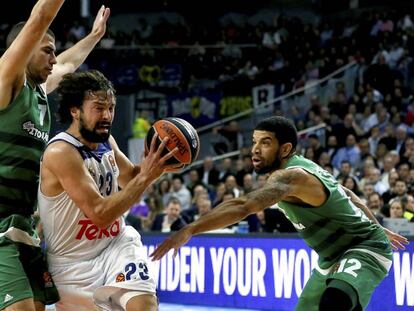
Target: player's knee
335, 299
142, 302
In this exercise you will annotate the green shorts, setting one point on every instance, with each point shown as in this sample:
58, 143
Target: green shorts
24, 274
363, 270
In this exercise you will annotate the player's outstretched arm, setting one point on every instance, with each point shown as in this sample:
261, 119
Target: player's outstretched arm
69, 60
15, 59
281, 185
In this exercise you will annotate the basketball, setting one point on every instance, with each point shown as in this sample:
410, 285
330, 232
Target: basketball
182, 135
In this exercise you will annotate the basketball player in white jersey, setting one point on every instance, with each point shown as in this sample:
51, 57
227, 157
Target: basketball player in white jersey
95, 259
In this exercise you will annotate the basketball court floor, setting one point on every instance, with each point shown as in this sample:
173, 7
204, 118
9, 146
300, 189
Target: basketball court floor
176, 307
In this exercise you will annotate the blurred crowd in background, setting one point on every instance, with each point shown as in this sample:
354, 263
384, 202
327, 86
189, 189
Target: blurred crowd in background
368, 140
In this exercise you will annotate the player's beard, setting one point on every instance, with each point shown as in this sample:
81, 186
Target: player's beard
92, 135
275, 165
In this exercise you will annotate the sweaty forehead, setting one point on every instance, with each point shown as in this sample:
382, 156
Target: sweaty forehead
100, 96
260, 135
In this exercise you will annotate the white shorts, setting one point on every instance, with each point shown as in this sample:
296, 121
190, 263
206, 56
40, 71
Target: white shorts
83, 285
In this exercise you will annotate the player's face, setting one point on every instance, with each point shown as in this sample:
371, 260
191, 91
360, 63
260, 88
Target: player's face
265, 152
41, 64
96, 116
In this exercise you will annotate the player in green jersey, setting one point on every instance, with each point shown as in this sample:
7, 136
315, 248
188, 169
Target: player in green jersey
354, 250
29, 69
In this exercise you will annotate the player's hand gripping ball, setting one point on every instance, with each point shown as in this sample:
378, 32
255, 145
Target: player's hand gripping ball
182, 135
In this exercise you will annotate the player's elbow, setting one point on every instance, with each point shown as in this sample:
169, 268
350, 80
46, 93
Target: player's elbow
99, 217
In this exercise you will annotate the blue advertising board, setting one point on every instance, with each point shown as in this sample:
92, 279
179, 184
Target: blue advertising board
260, 272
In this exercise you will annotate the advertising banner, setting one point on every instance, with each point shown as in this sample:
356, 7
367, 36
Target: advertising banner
263, 273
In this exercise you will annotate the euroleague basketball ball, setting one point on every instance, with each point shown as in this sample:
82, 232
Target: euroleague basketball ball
182, 135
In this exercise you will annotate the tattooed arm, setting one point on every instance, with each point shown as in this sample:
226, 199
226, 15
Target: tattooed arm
294, 185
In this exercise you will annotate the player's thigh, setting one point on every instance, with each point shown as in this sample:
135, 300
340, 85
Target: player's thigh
14, 283
312, 292
363, 272
129, 266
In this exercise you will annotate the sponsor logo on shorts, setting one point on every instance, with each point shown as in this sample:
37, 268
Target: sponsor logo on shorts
92, 232
47, 278
120, 278
7, 298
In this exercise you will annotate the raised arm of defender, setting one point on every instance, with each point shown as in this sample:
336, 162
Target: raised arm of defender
69, 60
15, 59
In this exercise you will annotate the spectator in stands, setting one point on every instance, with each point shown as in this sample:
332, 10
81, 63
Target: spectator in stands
342, 130
171, 220
351, 183
332, 145
350, 152
364, 146
408, 201
231, 185
200, 190
345, 170
324, 159
181, 192
375, 178
219, 143
219, 193
194, 180
315, 144
233, 135
202, 207
209, 175
387, 166
247, 168
367, 189
225, 169
392, 180
164, 190
397, 208
376, 205
403, 170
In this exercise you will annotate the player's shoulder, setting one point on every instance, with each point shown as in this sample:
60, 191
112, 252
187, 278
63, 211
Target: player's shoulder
59, 149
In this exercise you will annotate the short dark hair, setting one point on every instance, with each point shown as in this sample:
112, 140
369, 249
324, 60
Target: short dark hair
173, 200
15, 30
74, 86
283, 128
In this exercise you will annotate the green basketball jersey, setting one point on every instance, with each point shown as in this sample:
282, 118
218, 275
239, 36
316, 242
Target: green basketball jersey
336, 226
24, 132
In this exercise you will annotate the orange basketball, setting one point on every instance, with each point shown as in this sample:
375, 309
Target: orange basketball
182, 135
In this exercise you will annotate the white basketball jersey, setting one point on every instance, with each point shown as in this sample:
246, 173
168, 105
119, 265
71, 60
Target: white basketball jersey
69, 234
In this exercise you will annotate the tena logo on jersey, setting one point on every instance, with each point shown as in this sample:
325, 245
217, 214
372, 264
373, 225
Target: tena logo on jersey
31, 129
90, 231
